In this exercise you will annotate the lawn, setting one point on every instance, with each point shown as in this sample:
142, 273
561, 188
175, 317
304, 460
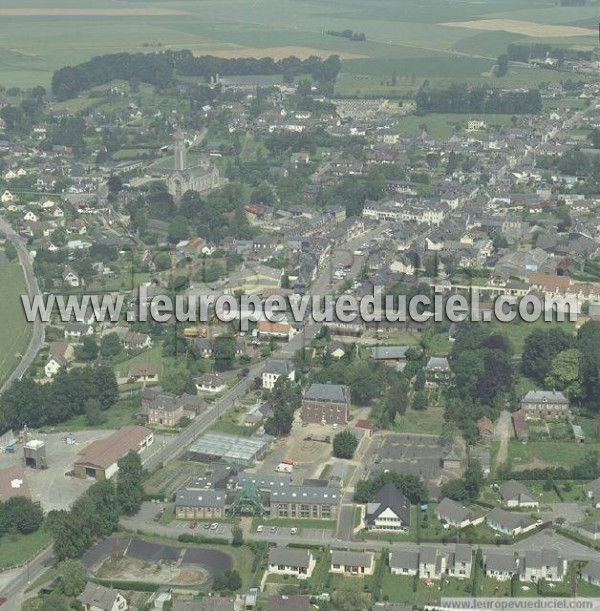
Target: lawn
122, 413
547, 453
18, 549
15, 331
399, 589
153, 356
444, 125
428, 421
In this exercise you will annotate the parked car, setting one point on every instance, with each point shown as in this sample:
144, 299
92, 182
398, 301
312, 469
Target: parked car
214, 526
293, 531
206, 526
260, 528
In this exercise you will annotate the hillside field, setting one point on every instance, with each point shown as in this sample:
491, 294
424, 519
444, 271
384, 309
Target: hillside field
414, 39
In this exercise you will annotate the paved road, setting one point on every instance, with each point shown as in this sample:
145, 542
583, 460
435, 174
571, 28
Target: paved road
37, 337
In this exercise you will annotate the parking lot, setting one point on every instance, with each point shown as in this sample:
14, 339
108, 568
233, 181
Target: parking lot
270, 533
50, 486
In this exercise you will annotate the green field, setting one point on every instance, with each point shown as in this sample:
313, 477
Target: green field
15, 331
17, 549
407, 38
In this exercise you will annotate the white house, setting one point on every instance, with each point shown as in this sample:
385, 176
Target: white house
286, 561
500, 565
352, 563
273, 370
71, 278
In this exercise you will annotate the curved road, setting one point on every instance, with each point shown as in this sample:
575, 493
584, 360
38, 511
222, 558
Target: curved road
37, 337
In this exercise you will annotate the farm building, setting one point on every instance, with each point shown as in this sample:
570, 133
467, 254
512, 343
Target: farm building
229, 449
99, 459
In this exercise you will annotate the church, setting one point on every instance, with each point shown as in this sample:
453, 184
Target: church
201, 178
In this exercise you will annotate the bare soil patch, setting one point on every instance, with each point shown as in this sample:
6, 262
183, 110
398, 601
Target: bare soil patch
308, 451
275, 52
525, 28
132, 569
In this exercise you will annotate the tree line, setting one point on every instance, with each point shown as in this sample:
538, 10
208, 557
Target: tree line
67, 395
160, 69
525, 53
460, 99
349, 34
95, 514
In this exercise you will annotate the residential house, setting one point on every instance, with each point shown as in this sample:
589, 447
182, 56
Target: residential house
460, 562
71, 279
143, 372
78, 329
137, 341
286, 561
509, 522
591, 573
326, 404
100, 598
437, 371
389, 354
516, 494
277, 330
457, 515
540, 404
538, 564
165, 410
54, 365
389, 510
200, 504
281, 602
500, 565
273, 370
210, 382
404, 562
59, 355
352, 563
206, 603
432, 563
592, 490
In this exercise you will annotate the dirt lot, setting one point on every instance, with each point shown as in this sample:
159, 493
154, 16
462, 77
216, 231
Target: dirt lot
132, 569
525, 28
274, 52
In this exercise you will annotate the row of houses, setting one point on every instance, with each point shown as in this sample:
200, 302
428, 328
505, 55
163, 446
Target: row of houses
429, 563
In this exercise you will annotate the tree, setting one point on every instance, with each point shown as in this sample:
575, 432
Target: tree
502, 68
285, 399
94, 415
455, 489
107, 388
410, 485
227, 581
130, 490
72, 577
110, 345
224, 352
473, 479
88, 351
419, 400
177, 379
237, 536
20, 514
344, 444
540, 348
564, 373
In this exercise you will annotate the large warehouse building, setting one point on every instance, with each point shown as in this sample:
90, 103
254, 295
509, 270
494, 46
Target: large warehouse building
229, 449
99, 459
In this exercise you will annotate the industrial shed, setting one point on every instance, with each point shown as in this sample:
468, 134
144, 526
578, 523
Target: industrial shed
99, 459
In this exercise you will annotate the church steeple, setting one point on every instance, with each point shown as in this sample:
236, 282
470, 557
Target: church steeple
180, 150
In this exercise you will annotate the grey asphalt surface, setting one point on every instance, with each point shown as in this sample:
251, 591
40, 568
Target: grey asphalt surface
37, 337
